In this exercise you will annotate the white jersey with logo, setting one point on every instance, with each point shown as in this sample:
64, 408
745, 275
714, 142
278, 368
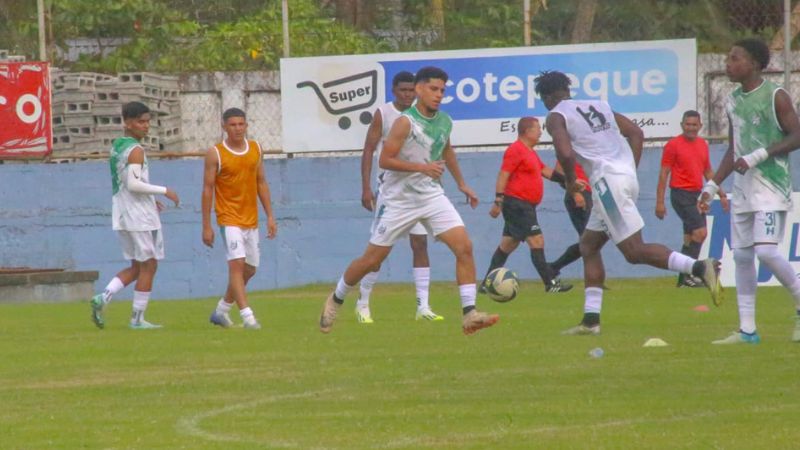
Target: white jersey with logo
600, 147
389, 113
130, 211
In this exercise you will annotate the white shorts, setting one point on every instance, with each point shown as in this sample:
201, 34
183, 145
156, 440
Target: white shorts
757, 226
141, 245
614, 209
241, 243
417, 229
392, 223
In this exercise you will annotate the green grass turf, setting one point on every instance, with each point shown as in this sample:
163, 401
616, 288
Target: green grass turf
400, 383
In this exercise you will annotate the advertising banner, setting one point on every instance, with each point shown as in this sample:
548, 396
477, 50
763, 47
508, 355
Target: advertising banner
328, 102
25, 112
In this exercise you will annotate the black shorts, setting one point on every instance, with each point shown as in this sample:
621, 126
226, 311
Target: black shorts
520, 219
579, 216
685, 204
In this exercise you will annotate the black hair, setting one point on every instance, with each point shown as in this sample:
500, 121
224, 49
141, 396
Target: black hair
402, 77
430, 73
233, 112
757, 49
690, 113
551, 81
134, 110
525, 124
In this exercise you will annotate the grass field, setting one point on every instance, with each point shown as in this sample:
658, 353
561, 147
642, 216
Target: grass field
400, 383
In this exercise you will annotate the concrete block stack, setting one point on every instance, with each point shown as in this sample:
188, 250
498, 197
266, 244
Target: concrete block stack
6, 56
87, 110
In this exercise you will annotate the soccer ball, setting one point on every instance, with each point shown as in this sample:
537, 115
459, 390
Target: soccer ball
501, 285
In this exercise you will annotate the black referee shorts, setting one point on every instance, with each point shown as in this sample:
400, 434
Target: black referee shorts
685, 204
520, 219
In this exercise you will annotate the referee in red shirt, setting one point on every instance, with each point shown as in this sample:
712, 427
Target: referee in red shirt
518, 190
685, 162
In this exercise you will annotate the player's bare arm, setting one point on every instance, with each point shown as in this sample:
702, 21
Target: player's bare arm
723, 171
266, 202
708, 174
663, 176
557, 127
450, 160
370, 144
499, 187
790, 124
633, 134
391, 149
210, 167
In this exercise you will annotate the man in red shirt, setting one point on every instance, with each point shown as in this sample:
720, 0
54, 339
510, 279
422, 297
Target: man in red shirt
685, 162
519, 189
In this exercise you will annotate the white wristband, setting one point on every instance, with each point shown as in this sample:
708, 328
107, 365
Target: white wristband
711, 188
756, 157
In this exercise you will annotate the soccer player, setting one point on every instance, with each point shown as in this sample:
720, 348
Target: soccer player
685, 162
232, 181
518, 190
135, 217
763, 130
579, 208
608, 145
414, 156
385, 115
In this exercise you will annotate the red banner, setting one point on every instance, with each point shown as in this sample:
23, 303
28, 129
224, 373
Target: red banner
26, 129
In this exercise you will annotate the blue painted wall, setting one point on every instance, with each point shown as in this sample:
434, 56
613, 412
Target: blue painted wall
58, 215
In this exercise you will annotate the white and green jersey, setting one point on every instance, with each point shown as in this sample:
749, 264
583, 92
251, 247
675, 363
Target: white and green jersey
768, 186
425, 143
130, 211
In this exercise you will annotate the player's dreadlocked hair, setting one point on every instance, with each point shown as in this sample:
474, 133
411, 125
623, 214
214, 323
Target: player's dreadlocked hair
551, 81
757, 49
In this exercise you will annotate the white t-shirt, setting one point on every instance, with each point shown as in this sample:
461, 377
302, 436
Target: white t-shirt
388, 115
600, 147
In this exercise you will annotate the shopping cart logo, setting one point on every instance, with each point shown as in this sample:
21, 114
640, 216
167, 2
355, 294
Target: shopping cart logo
348, 94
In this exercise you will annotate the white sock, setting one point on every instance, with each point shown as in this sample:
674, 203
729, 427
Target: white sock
114, 286
781, 268
342, 289
422, 280
467, 293
594, 300
223, 307
678, 262
747, 313
365, 289
140, 300
247, 314
746, 285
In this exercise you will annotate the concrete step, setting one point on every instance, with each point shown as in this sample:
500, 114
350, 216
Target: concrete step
46, 285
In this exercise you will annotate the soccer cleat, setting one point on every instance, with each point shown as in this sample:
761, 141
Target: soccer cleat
556, 285
143, 325
222, 320
582, 330
363, 315
328, 316
738, 337
796, 333
97, 311
428, 314
251, 324
482, 287
710, 277
691, 281
476, 320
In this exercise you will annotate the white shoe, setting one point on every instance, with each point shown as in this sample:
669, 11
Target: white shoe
582, 330
363, 315
428, 314
251, 324
328, 316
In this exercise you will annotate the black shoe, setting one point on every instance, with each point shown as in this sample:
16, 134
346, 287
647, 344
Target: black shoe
692, 282
557, 286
